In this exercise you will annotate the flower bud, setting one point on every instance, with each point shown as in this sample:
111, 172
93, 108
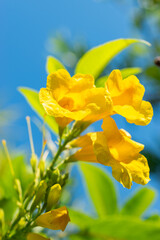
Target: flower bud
33, 162
18, 188
21, 223
35, 236
53, 176
41, 167
39, 194
53, 196
56, 219
2, 222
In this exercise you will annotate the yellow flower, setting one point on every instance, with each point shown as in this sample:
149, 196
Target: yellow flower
114, 148
74, 98
35, 236
127, 98
56, 219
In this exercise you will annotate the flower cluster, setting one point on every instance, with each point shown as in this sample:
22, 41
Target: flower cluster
76, 98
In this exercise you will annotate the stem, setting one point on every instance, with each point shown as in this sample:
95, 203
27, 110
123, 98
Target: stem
8, 158
61, 163
60, 150
30, 134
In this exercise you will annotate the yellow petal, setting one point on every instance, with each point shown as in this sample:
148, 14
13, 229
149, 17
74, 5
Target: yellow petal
140, 116
59, 83
99, 103
74, 98
85, 154
63, 121
56, 219
53, 108
127, 98
36, 236
122, 148
82, 82
101, 148
127, 91
82, 141
136, 170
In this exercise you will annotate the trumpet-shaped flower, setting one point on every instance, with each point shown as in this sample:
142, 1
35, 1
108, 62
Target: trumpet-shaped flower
56, 219
127, 98
74, 98
114, 148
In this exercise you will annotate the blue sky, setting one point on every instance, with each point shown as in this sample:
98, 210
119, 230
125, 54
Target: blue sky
26, 27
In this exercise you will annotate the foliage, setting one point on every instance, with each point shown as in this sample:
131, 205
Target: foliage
125, 219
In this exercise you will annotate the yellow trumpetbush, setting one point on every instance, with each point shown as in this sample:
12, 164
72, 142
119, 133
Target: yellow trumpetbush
127, 98
36, 236
74, 98
114, 148
56, 219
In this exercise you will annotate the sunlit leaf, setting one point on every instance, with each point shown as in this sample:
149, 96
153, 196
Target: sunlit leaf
80, 219
126, 228
126, 72
116, 227
101, 189
33, 99
53, 64
139, 203
82, 236
95, 60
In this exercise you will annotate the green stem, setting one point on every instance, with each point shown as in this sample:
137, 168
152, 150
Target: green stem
60, 150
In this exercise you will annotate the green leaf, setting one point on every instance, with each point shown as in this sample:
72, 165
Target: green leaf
33, 99
101, 189
139, 203
80, 219
115, 227
95, 60
154, 217
53, 64
126, 72
82, 236
126, 228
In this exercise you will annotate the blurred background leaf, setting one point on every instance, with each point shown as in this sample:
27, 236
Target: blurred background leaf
32, 98
7, 192
95, 60
101, 189
53, 64
113, 223
140, 201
